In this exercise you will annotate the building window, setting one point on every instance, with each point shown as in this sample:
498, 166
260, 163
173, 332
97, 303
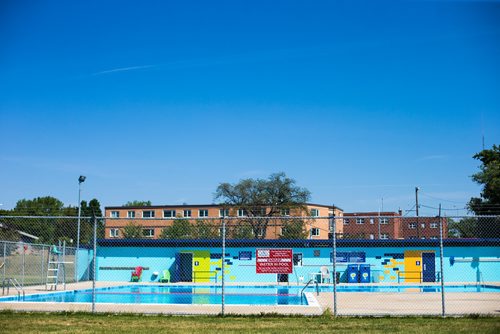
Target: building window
422, 225
372, 221
315, 232
360, 221
148, 214
372, 237
130, 214
433, 238
434, 225
187, 213
148, 232
223, 212
384, 221
346, 221
168, 213
384, 236
115, 214
114, 233
242, 213
314, 213
285, 212
260, 232
412, 226
297, 259
203, 213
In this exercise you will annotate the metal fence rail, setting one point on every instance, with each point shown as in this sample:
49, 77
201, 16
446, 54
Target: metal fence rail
347, 265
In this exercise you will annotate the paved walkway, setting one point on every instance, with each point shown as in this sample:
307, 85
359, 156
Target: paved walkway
348, 303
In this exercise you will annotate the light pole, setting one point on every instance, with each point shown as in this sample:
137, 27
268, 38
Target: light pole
81, 179
416, 208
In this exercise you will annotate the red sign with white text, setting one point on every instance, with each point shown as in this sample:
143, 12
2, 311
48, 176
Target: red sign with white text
274, 261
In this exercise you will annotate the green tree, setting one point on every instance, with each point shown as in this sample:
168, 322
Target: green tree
40, 206
180, 229
489, 178
88, 211
8, 232
49, 229
240, 231
489, 202
138, 203
93, 208
464, 228
132, 231
205, 229
293, 229
262, 199
5, 212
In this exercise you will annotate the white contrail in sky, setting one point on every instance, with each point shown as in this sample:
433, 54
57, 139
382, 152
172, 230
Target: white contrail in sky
123, 69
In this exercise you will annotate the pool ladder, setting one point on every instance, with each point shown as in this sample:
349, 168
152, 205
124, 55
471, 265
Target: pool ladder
15, 284
307, 284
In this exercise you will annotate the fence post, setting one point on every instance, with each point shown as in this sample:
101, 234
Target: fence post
4, 259
334, 260
89, 261
94, 264
24, 262
43, 264
441, 256
223, 262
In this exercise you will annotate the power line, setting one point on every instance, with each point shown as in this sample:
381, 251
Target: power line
441, 199
446, 209
410, 210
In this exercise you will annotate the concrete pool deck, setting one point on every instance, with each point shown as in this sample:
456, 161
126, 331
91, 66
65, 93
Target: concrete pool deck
348, 303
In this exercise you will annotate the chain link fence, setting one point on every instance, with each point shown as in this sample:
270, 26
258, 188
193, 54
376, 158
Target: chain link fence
346, 265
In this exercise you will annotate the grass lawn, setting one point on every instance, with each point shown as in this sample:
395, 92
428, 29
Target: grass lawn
26, 323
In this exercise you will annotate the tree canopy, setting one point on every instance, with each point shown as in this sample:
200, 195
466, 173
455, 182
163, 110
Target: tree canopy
261, 199
55, 226
91, 209
40, 206
489, 178
489, 202
132, 231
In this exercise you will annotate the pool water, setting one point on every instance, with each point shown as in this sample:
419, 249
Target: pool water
145, 294
242, 295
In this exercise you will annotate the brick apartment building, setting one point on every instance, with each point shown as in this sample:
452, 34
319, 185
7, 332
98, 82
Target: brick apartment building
391, 225
371, 225
153, 219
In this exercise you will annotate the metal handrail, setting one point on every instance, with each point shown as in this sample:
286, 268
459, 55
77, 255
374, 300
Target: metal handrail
307, 284
210, 272
15, 284
408, 272
481, 278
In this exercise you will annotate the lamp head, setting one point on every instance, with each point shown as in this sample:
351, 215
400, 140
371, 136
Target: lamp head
81, 179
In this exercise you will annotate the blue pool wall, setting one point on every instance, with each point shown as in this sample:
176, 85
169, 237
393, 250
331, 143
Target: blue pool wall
85, 257
468, 263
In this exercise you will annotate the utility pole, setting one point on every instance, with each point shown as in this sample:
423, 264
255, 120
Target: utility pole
81, 179
416, 210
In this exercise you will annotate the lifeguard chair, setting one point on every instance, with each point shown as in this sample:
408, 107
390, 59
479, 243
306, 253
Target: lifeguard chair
56, 270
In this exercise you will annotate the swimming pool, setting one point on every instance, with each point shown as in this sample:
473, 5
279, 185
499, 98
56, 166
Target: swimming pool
151, 294
236, 295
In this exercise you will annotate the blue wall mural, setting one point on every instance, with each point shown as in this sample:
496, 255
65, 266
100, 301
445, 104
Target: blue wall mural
386, 264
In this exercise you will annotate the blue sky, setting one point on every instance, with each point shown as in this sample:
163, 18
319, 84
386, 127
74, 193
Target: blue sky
357, 101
